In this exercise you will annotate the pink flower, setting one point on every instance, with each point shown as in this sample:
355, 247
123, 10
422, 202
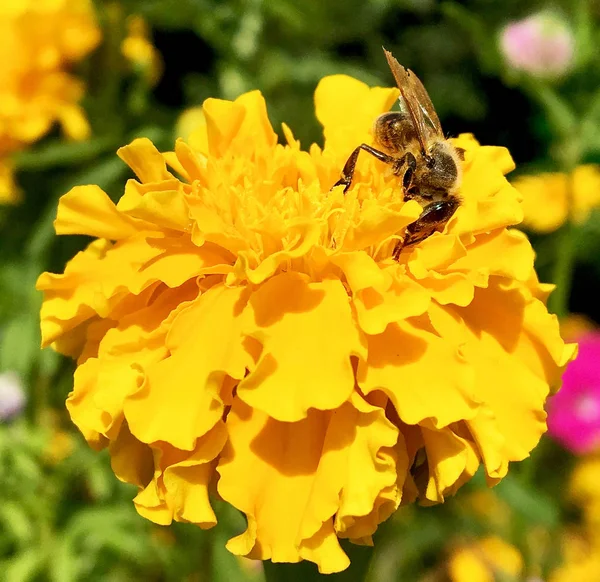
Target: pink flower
542, 45
574, 413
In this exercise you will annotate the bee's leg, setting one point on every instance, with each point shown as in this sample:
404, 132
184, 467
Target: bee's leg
433, 218
348, 171
409, 161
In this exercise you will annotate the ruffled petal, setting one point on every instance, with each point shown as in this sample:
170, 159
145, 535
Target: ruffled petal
89, 210
145, 160
183, 389
347, 109
401, 364
161, 204
307, 337
102, 383
266, 464
370, 493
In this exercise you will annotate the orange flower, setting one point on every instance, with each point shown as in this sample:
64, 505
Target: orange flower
239, 324
39, 39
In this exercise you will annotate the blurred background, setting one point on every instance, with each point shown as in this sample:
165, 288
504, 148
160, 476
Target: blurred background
78, 79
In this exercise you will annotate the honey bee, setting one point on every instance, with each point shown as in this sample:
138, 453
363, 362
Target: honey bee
411, 141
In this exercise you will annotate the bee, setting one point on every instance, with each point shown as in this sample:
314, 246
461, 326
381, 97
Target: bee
411, 141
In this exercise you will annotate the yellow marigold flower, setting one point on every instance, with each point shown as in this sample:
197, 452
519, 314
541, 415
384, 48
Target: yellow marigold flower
584, 489
545, 196
581, 560
138, 49
487, 560
9, 191
238, 324
39, 39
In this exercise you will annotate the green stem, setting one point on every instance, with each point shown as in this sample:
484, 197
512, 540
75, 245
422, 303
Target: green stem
563, 270
566, 251
360, 559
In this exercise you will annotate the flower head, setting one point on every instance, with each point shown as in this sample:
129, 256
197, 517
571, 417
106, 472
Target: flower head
38, 42
487, 560
238, 323
12, 396
138, 49
574, 413
541, 45
545, 197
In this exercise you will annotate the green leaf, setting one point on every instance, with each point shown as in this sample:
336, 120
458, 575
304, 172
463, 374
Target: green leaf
16, 523
23, 567
63, 153
534, 505
20, 343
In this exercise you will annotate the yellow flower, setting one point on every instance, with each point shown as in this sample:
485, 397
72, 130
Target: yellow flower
239, 325
138, 49
545, 197
9, 191
584, 489
487, 560
39, 39
581, 560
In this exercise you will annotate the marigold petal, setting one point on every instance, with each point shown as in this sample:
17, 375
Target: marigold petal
291, 316
502, 252
58, 314
145, 160
347, 108
74, 122
265, 464
131, 460
193, 163
187, 482
223, 120
256, 131
149, 505
163, 206
205, 345
423, 375
102, 383
450, 459
303, 238
89, 210
377, 223
404, 298
369, 488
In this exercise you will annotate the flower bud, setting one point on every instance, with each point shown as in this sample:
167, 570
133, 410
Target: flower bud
541, 45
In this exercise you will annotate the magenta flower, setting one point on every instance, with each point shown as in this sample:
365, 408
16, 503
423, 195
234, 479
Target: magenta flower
574, 412
541, 45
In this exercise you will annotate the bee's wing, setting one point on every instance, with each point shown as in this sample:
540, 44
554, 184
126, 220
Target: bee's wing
425, 103
417, 102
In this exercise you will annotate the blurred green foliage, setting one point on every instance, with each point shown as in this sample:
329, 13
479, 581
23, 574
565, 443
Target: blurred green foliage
69, 519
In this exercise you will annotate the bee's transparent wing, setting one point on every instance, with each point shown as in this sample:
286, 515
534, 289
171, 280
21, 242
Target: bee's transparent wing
425, 103
417, 102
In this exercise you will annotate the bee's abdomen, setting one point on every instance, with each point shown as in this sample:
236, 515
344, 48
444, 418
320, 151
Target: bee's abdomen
394, 131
